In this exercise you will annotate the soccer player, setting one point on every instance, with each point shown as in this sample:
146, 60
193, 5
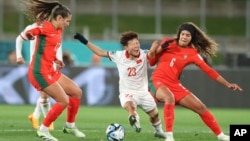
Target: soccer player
43, 102
133, 80
172, 56
41, 72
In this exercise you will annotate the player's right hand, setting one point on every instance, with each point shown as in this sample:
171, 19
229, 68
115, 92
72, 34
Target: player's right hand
20, 60
153, 49
59, 65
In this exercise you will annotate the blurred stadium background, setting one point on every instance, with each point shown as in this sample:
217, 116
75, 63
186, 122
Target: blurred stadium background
102, 21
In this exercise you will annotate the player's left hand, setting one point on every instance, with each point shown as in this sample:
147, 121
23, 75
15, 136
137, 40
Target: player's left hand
59, 65
234, 87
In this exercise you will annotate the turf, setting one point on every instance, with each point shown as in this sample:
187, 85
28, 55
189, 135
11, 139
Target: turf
94, 120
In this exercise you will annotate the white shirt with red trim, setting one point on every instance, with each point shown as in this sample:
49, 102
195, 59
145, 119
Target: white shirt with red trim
133, 75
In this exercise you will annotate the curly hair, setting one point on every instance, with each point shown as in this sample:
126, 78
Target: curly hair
40, 10
126, 36
200, 40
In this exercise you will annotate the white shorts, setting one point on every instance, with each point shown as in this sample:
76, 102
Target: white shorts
144, 100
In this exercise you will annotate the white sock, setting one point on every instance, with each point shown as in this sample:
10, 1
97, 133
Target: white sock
37, 110
157, 126
221, 134
169, 133
44, 105
70, 125
43, 128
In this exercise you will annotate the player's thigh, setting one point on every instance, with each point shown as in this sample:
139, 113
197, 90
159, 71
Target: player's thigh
69, 86
147, 102
193, 103
127, 100
57, 93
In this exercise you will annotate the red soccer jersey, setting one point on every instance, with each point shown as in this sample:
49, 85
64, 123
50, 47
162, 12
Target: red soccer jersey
48, 42
49, 39
173, 59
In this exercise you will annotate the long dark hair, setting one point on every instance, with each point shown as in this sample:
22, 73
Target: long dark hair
200, 40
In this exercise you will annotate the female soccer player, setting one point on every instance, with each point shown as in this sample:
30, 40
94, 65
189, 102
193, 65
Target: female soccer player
41, 72
133, 83
173, 56
43, 102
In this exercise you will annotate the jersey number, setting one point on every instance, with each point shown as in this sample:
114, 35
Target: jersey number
131, 71
171, 64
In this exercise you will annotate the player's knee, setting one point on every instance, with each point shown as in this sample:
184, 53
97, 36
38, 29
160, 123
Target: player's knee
76, 92
154, 113
44, 100
64, 103
129, 106
79, 92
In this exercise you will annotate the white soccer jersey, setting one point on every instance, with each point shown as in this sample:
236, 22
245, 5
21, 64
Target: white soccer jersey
22, 37
132, 73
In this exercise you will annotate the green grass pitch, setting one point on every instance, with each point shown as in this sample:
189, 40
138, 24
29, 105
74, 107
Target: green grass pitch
15, 126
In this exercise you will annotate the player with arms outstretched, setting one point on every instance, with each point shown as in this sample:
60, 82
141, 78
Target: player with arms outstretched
133, 80
172, 56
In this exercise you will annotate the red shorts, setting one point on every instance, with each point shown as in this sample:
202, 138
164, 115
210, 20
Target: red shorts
176, 89
43, 80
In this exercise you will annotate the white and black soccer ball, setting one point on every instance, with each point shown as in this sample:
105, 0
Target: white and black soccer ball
115, 132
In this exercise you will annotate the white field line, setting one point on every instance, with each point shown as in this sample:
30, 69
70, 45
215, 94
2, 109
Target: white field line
93, 130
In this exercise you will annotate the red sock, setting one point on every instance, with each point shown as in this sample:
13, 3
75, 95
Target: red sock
168, 111
211, 122
53, 113
74, 104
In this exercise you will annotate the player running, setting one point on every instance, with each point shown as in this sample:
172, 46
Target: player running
43, 102
41, 72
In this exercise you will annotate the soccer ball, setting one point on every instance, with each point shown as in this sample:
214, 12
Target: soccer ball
115, 132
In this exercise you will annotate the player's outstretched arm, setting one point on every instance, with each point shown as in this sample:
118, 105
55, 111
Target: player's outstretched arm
232, 86
94, 48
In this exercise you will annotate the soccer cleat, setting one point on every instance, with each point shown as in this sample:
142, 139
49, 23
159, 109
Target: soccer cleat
169, 138
160, 135
74, 131
224, 138
135, 123
34, 121
51, 127
45, 135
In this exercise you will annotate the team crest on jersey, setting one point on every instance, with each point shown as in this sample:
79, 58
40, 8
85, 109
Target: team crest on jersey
185, 56
138, 61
